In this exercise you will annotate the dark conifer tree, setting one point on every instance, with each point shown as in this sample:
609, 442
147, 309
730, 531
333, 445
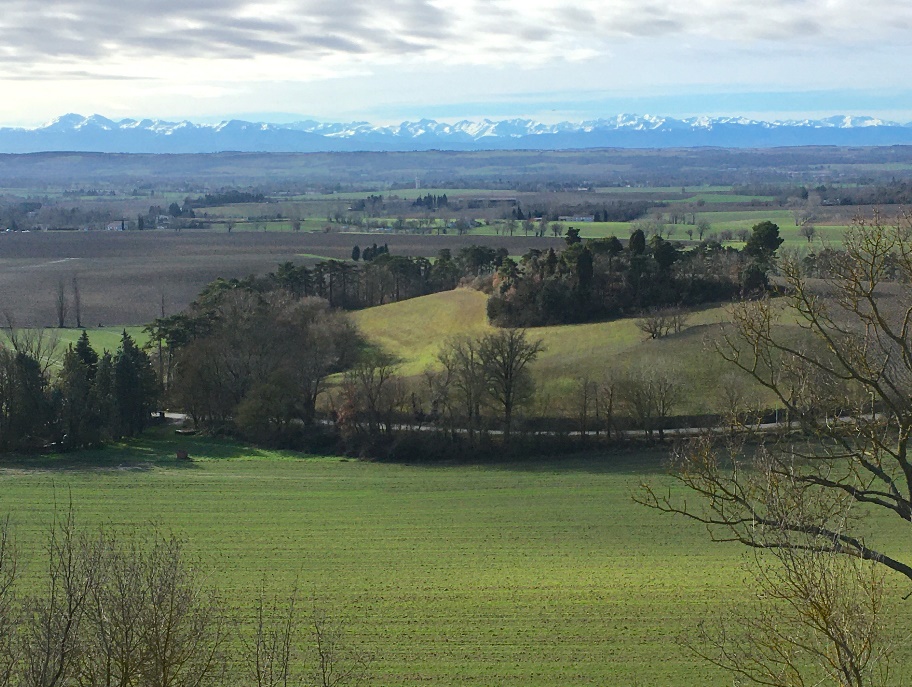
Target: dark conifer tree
134, 387
87, 354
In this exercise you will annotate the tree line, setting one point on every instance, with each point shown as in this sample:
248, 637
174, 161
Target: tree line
378, 278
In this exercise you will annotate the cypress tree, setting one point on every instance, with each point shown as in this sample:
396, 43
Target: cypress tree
134, 387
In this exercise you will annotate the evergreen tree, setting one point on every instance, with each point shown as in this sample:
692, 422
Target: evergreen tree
134, 387
79, 419
584, 272
763, 242
29, 408
637, 243
103, 395
551, 261
87, 354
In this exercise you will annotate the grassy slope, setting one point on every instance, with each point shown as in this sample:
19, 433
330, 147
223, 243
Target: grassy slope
414, 330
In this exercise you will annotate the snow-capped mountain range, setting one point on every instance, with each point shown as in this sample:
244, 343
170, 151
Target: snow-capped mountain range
73, 132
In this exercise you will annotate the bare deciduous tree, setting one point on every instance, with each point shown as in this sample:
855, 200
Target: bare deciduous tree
649, 394
808, 230
271, 657
286, 648
814, 619
339, 663
39, 344
183, 625
660, 322
77, 301
585, 400
50, 644
61, 304
371, 394
846, 381
505, 356
8, 576
466, 382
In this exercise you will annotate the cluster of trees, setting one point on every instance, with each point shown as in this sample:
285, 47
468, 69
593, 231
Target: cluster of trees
252, 361
369, 253
614, 211
481, 400
133, 609
257, 362
432, 202
253, 356
603, 278
372, 204
228, 197
93, 398
33, 214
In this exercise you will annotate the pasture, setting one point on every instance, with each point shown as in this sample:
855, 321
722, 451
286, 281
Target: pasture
102, 339
414, 330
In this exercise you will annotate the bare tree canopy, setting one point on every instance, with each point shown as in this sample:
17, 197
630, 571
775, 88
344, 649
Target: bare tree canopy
844, 380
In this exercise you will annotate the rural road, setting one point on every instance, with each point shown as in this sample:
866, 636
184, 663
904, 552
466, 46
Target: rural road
765, 427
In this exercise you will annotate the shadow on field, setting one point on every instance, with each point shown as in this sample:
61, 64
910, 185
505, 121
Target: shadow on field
627, 461
158, 447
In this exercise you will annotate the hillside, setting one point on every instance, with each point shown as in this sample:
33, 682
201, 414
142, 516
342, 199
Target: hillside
413, 331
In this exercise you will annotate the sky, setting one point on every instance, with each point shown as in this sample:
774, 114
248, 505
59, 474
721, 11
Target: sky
385, 62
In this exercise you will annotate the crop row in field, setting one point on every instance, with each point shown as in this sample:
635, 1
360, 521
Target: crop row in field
450, 577
528, 574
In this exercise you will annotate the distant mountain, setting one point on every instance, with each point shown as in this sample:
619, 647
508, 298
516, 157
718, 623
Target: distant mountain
73, 132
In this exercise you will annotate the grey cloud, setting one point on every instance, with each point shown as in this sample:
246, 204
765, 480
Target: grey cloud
79, 30
71, 33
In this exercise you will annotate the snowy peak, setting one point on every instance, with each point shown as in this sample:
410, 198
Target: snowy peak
98, 133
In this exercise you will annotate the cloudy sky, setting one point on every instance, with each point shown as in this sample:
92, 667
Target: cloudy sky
342, 60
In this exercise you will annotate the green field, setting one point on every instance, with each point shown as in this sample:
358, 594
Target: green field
541, 573
413, 331
102, 339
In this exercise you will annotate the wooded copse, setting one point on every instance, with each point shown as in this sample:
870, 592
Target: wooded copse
91, 399
603, 279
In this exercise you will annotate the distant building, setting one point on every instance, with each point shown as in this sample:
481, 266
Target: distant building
577, 218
